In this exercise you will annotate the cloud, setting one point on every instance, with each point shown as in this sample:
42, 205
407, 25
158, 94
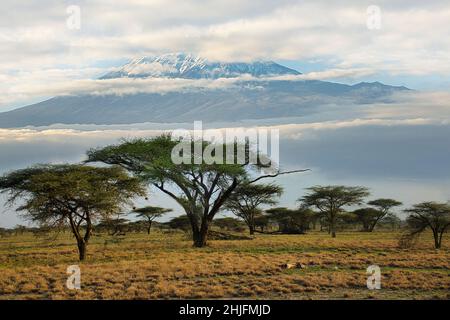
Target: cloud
28, 85
44, 85
415, 104
291, 131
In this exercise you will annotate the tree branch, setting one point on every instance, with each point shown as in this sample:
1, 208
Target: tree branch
277, 174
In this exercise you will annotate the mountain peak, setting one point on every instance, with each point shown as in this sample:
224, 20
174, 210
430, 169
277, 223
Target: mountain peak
189, 66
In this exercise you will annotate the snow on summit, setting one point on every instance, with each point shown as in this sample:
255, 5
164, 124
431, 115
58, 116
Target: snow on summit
188, 66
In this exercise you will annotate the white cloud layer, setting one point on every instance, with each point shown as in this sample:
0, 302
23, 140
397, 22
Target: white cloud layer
32, 85
287, 131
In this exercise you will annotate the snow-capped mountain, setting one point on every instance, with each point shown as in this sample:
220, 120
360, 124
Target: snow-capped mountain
259, 97
182, 65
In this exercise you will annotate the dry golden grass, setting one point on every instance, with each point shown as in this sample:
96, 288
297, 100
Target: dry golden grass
165, 266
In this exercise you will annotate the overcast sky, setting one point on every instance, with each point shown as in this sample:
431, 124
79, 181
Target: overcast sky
43, 51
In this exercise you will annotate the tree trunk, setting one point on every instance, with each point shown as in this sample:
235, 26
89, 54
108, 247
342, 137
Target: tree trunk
332, 229
440, 238
437, 242
82, 250
372, 226
149, 227
251, 229
201, 236
200, 239
81, 241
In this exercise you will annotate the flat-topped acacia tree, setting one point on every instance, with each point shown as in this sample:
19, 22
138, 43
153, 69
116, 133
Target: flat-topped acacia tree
432, 215
369, 217
74, 195
199, 187
148, 214
384, 207
330, 200
247, 199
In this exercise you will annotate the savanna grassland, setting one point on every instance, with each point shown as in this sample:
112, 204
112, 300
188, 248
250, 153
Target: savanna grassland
166, 266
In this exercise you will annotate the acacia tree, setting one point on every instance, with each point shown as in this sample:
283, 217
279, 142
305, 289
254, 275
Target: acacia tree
330, 200
149, 214
383, 207
200, 187
435, 216
77, 195
246, 199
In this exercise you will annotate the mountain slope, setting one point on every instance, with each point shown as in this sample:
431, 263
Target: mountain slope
269, 100
246, 99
